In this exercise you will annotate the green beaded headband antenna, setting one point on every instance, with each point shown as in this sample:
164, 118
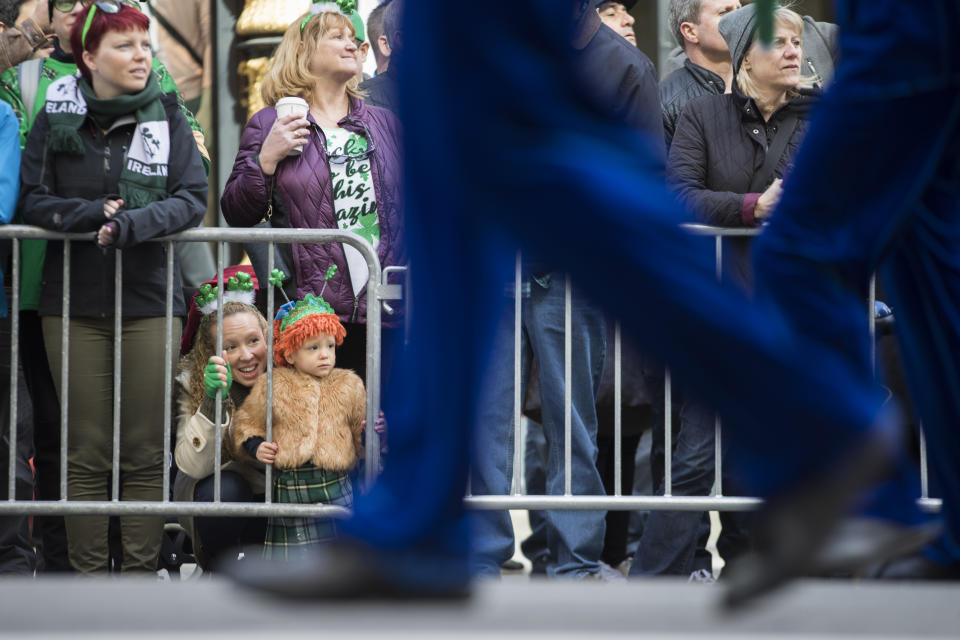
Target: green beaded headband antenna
277, 278
239, 289
291, 311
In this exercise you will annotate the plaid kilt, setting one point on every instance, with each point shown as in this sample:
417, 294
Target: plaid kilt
288, 537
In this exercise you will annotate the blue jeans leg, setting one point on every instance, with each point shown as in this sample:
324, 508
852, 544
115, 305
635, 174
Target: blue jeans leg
536, 546
492, 470
575, 537
669, 539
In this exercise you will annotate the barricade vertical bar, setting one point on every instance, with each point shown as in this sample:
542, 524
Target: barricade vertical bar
517, 383
718, 426
374, 375
117, 373
268, 481
872, 321
717, 457
218, 404
667, 435
924, 477
14, 356
617, 412
567, 387
168, 373
64, 369
718, 253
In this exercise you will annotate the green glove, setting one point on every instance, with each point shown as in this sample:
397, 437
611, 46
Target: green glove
212, 381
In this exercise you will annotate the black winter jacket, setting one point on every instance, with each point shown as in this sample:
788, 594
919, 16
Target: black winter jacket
683, 85
620, 77
720, 143
382, 90
64, 192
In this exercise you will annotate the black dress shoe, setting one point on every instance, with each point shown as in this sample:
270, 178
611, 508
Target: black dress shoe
861, 542
511, 566
791, 529
344, 570
912, 567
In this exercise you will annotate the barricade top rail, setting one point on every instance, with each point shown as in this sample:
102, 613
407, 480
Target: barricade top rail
206, 234
710, 230
285, 235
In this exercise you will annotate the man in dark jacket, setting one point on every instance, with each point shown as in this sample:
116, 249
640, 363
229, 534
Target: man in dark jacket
707, 68
616, 15
623, 78
381, 89
378, 37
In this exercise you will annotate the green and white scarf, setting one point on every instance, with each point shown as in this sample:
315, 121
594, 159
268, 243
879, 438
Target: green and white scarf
143, 178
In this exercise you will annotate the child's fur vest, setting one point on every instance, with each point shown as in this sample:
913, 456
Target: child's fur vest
316, 420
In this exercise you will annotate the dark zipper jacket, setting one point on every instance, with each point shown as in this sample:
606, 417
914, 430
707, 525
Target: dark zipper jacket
65, 192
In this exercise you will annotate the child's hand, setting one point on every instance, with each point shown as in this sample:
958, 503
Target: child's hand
267, 452
380, 426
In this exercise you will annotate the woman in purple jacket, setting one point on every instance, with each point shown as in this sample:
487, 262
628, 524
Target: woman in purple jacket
347, 175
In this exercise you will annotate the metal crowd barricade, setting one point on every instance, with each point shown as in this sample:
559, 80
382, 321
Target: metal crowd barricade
619, 502
377, 292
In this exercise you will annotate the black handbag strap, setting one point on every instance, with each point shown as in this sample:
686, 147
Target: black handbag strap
774, 152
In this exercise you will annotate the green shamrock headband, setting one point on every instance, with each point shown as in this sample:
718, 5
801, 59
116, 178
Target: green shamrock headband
239, 289
346, 8
310, 305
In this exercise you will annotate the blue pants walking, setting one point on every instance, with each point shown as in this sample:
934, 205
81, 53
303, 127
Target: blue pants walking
519, 154
876, 187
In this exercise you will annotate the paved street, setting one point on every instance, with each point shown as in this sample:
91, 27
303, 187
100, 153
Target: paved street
209, 608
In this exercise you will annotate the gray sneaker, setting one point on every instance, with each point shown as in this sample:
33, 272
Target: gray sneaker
702, 576
608, 574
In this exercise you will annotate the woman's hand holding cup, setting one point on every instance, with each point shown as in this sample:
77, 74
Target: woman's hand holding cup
288, 134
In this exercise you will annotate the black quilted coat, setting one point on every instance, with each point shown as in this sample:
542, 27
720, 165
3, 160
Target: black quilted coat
720, 143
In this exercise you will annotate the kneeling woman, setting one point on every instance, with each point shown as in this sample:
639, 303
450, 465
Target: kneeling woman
200, 375
111, 153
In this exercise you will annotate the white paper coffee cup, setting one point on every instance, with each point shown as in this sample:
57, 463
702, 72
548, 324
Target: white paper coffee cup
296, 106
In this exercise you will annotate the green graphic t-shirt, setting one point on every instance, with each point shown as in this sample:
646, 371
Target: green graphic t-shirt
354, 200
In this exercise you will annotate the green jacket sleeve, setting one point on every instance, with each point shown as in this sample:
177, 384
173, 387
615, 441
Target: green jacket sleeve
10, 93
169, 86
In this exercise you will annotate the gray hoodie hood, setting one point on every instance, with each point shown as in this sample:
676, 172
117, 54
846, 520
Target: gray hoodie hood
737, 28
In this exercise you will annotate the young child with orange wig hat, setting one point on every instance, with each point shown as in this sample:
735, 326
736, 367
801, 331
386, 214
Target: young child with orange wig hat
318, 416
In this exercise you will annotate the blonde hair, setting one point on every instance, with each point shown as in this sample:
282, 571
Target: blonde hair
205, 346
289, 73
783, 17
